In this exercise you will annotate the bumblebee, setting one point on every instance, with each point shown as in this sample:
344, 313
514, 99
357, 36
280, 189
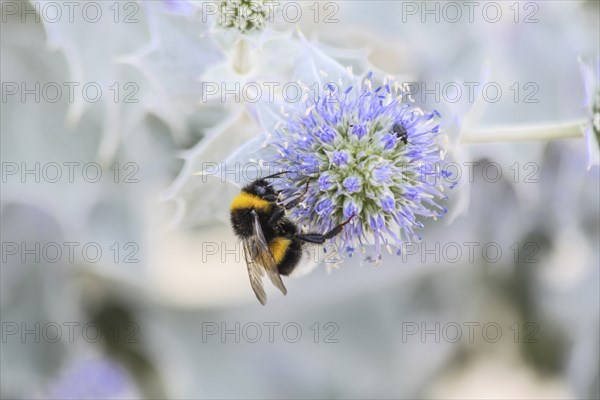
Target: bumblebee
272, 243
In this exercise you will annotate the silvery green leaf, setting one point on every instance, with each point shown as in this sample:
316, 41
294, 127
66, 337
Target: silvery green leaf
201, 200
315, 69
177, 54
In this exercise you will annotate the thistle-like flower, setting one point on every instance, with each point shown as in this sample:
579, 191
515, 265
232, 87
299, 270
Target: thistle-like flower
363, 154
244, 15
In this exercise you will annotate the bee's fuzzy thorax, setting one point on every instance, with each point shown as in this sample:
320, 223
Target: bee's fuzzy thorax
246, 200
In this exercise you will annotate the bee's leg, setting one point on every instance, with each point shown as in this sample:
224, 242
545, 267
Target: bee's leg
297, 200
318, 238
270, 197
277, 215
311, 238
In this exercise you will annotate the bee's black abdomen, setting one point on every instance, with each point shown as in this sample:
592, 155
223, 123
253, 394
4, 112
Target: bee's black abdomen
287, 229
291, 259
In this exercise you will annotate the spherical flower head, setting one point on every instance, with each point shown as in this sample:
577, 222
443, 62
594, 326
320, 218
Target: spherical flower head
361, 154
244, 15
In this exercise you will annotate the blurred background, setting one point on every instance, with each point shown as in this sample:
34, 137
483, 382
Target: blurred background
120, 277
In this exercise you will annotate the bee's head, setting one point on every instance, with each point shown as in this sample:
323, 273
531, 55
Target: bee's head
260, 188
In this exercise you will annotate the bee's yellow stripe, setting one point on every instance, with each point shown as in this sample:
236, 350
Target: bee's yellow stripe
247, 200
279, 247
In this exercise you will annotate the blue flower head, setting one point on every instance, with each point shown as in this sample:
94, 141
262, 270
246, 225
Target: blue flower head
360, 166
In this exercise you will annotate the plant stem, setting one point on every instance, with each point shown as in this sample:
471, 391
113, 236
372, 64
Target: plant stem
241, 57
523, 133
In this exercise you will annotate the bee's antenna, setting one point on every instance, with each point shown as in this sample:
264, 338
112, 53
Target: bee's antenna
274, 175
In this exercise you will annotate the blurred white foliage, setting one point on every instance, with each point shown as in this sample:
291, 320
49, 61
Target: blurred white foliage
370, 304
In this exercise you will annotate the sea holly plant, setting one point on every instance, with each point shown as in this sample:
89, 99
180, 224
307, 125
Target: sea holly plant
362, 154
355, 151
359, 151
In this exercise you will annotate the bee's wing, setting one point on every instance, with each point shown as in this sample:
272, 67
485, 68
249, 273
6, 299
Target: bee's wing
255, 272
265, 258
